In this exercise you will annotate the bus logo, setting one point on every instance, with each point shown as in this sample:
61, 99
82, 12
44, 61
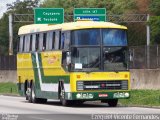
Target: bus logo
52, 60
84, 96
103, 95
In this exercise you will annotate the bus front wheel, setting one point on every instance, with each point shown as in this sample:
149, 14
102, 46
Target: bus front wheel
62, 96
111, 102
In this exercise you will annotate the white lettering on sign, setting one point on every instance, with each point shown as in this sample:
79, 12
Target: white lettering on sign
86, 11
50, 19
50, 13
38, 19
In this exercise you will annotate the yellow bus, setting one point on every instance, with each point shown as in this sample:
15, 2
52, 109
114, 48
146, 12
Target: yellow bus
73, 62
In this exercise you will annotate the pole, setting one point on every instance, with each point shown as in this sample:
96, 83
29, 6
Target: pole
148, 31
10, 35
148, 43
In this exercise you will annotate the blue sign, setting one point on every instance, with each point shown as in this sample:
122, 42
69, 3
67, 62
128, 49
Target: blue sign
93, 18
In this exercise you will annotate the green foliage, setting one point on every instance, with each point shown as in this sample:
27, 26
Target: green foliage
123, 6
4, 34
112, 7
8, 88
143, 97
22, 7
155, 7
25, 7
155, 29
155, 21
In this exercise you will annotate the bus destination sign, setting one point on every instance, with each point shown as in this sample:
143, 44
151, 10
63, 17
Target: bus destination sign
48, 15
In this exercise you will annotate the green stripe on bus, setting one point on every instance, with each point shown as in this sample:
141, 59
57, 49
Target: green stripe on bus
46, 79
36, 78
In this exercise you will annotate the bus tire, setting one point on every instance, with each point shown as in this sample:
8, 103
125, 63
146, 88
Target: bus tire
25, 89
78, 102
42, 100
32, 97
63, 101
112, 102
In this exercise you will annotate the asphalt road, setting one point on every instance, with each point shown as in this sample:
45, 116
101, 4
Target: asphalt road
52, 110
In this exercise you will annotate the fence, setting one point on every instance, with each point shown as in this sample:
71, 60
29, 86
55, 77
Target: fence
8, 62
145, 57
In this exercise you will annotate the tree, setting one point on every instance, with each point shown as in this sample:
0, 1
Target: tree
25, 7
155, 21
154, 7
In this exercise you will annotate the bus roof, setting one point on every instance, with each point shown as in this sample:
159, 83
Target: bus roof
34, 28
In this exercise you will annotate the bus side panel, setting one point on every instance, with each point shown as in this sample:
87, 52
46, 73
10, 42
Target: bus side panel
48, 72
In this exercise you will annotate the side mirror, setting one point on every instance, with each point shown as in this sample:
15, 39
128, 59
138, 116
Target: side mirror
68, 58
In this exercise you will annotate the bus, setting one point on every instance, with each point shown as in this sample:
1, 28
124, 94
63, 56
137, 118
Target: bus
73, 62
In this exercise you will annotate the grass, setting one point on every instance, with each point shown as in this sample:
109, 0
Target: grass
8, 88
143, 97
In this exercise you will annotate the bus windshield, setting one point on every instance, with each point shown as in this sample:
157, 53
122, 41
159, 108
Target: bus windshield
114, 37
90, 49
86, 37
85, 59
115, 58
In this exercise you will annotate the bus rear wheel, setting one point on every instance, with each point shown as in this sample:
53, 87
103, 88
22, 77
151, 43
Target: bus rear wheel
32, 97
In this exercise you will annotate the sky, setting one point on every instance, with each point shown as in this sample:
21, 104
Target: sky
3, 7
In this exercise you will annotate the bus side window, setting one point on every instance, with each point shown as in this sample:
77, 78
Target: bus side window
62, 40
66, 41
44, 41
37, 42
53, 40
18, 42
57, 39
48, 41
23, 43
27, 43
31, 40
40, 47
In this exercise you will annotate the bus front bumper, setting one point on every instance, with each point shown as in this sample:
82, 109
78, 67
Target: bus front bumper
97, 95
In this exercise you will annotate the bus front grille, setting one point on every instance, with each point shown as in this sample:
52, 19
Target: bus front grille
103, 85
